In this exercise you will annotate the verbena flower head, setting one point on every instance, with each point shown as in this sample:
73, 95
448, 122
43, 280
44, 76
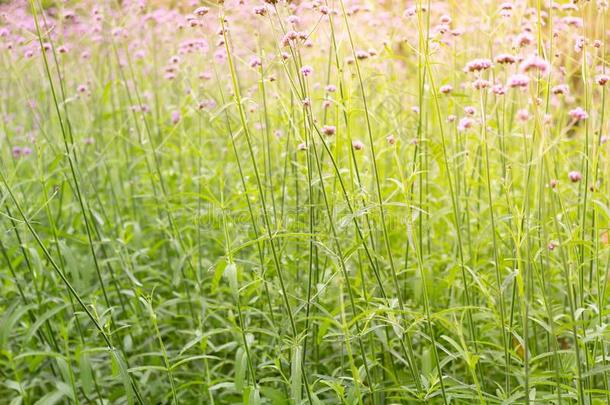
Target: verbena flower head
524, 39
357, 145
480, 84
465, 123
201, 11
17, 151
329, 130
578, 114
560, 89
477, 65
518, 80
255, 62
306, 70
505, 59
446, 89
535, 63
498, 90
575, 176
602, 80
523, 115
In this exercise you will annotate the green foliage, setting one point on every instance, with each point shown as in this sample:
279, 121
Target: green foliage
177, 239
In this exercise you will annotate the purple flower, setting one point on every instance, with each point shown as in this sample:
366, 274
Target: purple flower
578, 114
306, 70
575, 176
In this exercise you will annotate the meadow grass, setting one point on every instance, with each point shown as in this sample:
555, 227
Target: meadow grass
322, 202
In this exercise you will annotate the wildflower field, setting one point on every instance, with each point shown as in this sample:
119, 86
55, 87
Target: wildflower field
304, 202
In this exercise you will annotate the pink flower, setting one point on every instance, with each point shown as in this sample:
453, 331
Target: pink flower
329, 130
446, 89
201, 11
175, 117
578, 114
17, 151
410, 12
575, 176
535, 62
306, 70
560, 89
524, 39
480, 84
255, 61
575, 22
361, 55
477, 65
465, 123
602, 79
523, 115
505, 59
469, 110
498, 90
391, 139
579, 44
518, 80
206, 104
262, 10
290, 38
357, 145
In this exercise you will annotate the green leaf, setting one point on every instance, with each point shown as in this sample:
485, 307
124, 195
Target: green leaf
276, 396
8, 321
218, 272
121, 368
42, 319
240, 369
86, 373
51, 398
